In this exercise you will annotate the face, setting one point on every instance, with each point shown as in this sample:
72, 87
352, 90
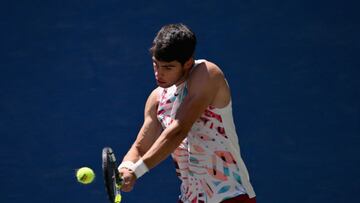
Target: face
168, 73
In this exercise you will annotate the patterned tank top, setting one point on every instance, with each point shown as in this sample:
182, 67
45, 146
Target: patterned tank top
208, 160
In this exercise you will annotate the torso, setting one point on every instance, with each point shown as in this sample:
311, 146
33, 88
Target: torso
208, 161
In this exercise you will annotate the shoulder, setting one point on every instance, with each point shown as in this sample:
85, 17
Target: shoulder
153, 98
206, 71
207, 78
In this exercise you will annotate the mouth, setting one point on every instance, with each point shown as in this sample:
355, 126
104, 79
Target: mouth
160, 81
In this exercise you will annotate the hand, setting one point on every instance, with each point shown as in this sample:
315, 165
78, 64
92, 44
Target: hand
129, 179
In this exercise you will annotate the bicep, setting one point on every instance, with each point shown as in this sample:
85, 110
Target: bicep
151, 128
200, 96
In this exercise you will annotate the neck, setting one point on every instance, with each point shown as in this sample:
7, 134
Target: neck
186, 73
182, 79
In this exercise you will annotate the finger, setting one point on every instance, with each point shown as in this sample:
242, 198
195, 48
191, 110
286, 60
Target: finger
127, 187
128, 183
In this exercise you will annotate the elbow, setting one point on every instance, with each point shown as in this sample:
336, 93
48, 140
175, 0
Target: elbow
180, 129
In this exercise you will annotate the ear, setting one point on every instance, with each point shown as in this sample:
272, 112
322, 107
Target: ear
189, 63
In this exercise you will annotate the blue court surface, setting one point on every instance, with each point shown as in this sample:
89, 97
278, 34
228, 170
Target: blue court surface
74, 76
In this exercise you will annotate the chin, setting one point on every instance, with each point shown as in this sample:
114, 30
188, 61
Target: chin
164, 85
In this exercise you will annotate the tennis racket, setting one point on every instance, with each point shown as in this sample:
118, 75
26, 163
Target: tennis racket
112, 177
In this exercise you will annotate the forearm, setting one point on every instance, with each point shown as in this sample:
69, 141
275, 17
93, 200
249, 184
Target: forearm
133, 154
131, 157
143, 142
167, 142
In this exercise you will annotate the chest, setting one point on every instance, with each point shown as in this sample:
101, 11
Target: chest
169, 101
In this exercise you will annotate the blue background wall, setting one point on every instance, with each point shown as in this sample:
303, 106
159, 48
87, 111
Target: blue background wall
74, 76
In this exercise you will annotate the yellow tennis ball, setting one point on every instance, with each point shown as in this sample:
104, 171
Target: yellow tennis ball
85, 175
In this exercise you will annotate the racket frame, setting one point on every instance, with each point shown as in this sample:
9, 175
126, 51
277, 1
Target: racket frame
113, 186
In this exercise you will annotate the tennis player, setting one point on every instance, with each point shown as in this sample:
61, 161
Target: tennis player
189, 116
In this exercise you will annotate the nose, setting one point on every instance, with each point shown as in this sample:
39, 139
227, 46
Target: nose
158, 72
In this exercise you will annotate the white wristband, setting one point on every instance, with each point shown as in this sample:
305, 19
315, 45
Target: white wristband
126, 164
139, 168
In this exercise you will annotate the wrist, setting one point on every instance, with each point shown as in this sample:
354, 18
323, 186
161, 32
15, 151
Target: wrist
139, 168
126, 164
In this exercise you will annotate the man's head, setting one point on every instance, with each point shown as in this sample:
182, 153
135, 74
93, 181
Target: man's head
172, 53
174, 42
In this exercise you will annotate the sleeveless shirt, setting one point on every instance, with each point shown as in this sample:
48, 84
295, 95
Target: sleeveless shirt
208, 161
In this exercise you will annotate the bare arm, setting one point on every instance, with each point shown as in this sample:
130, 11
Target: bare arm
149, 131
200, 95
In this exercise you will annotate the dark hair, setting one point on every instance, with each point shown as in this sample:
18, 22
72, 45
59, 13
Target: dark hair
174, 42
